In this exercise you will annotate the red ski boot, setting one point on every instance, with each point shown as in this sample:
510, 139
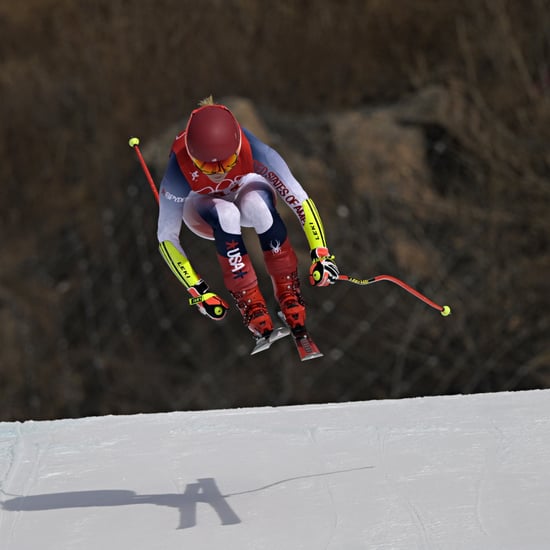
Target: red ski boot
287, 291
253, 308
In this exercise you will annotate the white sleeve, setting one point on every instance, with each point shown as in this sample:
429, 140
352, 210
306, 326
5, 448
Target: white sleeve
172, 194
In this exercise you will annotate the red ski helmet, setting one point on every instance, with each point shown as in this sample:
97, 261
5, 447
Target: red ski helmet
212, 134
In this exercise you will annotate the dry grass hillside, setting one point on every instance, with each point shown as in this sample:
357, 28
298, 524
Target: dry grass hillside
421, 130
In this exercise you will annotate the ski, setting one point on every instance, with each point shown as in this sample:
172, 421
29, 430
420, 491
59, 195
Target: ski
306, 347
265, 342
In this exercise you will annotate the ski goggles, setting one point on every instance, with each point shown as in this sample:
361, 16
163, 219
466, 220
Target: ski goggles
218, 167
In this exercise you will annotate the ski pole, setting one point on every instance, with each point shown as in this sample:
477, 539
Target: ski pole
133, 142
444, 310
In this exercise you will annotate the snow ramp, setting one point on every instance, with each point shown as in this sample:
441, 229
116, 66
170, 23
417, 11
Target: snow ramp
454, 472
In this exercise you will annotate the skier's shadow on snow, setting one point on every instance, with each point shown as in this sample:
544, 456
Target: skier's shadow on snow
205, 490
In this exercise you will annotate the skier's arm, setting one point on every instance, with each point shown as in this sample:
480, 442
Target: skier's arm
323, 270
209, 303
171, 201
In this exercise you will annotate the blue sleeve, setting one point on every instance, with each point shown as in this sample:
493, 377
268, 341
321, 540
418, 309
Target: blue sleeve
174, 181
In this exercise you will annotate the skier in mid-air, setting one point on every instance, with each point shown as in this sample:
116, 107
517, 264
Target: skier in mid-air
219, 178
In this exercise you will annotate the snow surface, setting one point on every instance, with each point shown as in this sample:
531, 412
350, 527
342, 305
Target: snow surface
460, 472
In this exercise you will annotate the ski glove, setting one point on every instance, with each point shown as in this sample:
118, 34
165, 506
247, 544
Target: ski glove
209, 304
323, 271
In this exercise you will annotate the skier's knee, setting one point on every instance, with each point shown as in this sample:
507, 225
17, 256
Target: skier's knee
226, 216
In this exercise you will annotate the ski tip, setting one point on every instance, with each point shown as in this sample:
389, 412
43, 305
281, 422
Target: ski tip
260, 345
312, 356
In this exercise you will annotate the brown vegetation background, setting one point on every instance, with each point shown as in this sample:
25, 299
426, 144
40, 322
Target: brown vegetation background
421, 129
